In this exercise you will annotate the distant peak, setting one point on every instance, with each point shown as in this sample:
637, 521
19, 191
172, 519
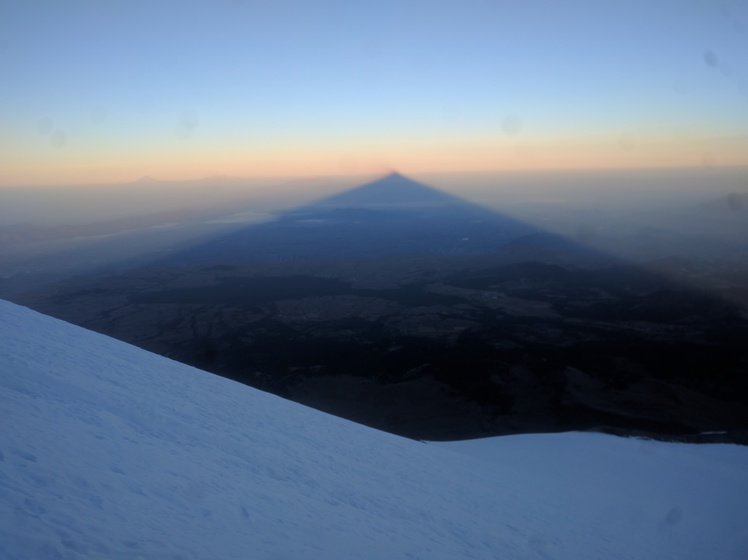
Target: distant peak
393, 189
394, 177
146, 179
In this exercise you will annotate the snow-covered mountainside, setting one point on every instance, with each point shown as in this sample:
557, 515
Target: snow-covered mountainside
108, 451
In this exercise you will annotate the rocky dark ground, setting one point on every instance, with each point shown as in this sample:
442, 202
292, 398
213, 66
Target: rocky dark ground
435, 319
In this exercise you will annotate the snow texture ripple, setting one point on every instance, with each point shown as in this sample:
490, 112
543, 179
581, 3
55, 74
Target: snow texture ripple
107, 451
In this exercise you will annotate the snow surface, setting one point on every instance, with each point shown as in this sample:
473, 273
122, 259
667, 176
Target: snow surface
107, 451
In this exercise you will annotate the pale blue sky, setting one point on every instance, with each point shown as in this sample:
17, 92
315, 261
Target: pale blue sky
93, 88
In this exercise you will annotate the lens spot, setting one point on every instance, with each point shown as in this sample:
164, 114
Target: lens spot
725, 68
511, 125
711, 59
58, 139
674, 516
187, 124
734, 201
671, 518
144, 107
743, 87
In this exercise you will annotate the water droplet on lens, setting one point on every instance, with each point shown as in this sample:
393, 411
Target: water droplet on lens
58, 139
726, 69
187, 124
710, 59
511, 125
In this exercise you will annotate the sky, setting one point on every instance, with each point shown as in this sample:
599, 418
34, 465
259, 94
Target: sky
112, 90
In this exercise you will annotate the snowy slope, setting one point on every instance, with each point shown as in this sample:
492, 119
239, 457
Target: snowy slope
111, 452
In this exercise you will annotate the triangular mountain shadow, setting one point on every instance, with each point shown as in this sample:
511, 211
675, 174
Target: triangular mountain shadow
391, 216
529, 332
392, 190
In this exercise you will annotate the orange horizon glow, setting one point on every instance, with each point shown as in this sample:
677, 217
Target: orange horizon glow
324, 91
68, 166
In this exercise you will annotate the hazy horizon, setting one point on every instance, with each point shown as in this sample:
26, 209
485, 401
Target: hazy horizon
610, 189
442, 219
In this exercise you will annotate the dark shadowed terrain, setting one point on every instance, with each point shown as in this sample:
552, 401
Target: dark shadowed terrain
406, 308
